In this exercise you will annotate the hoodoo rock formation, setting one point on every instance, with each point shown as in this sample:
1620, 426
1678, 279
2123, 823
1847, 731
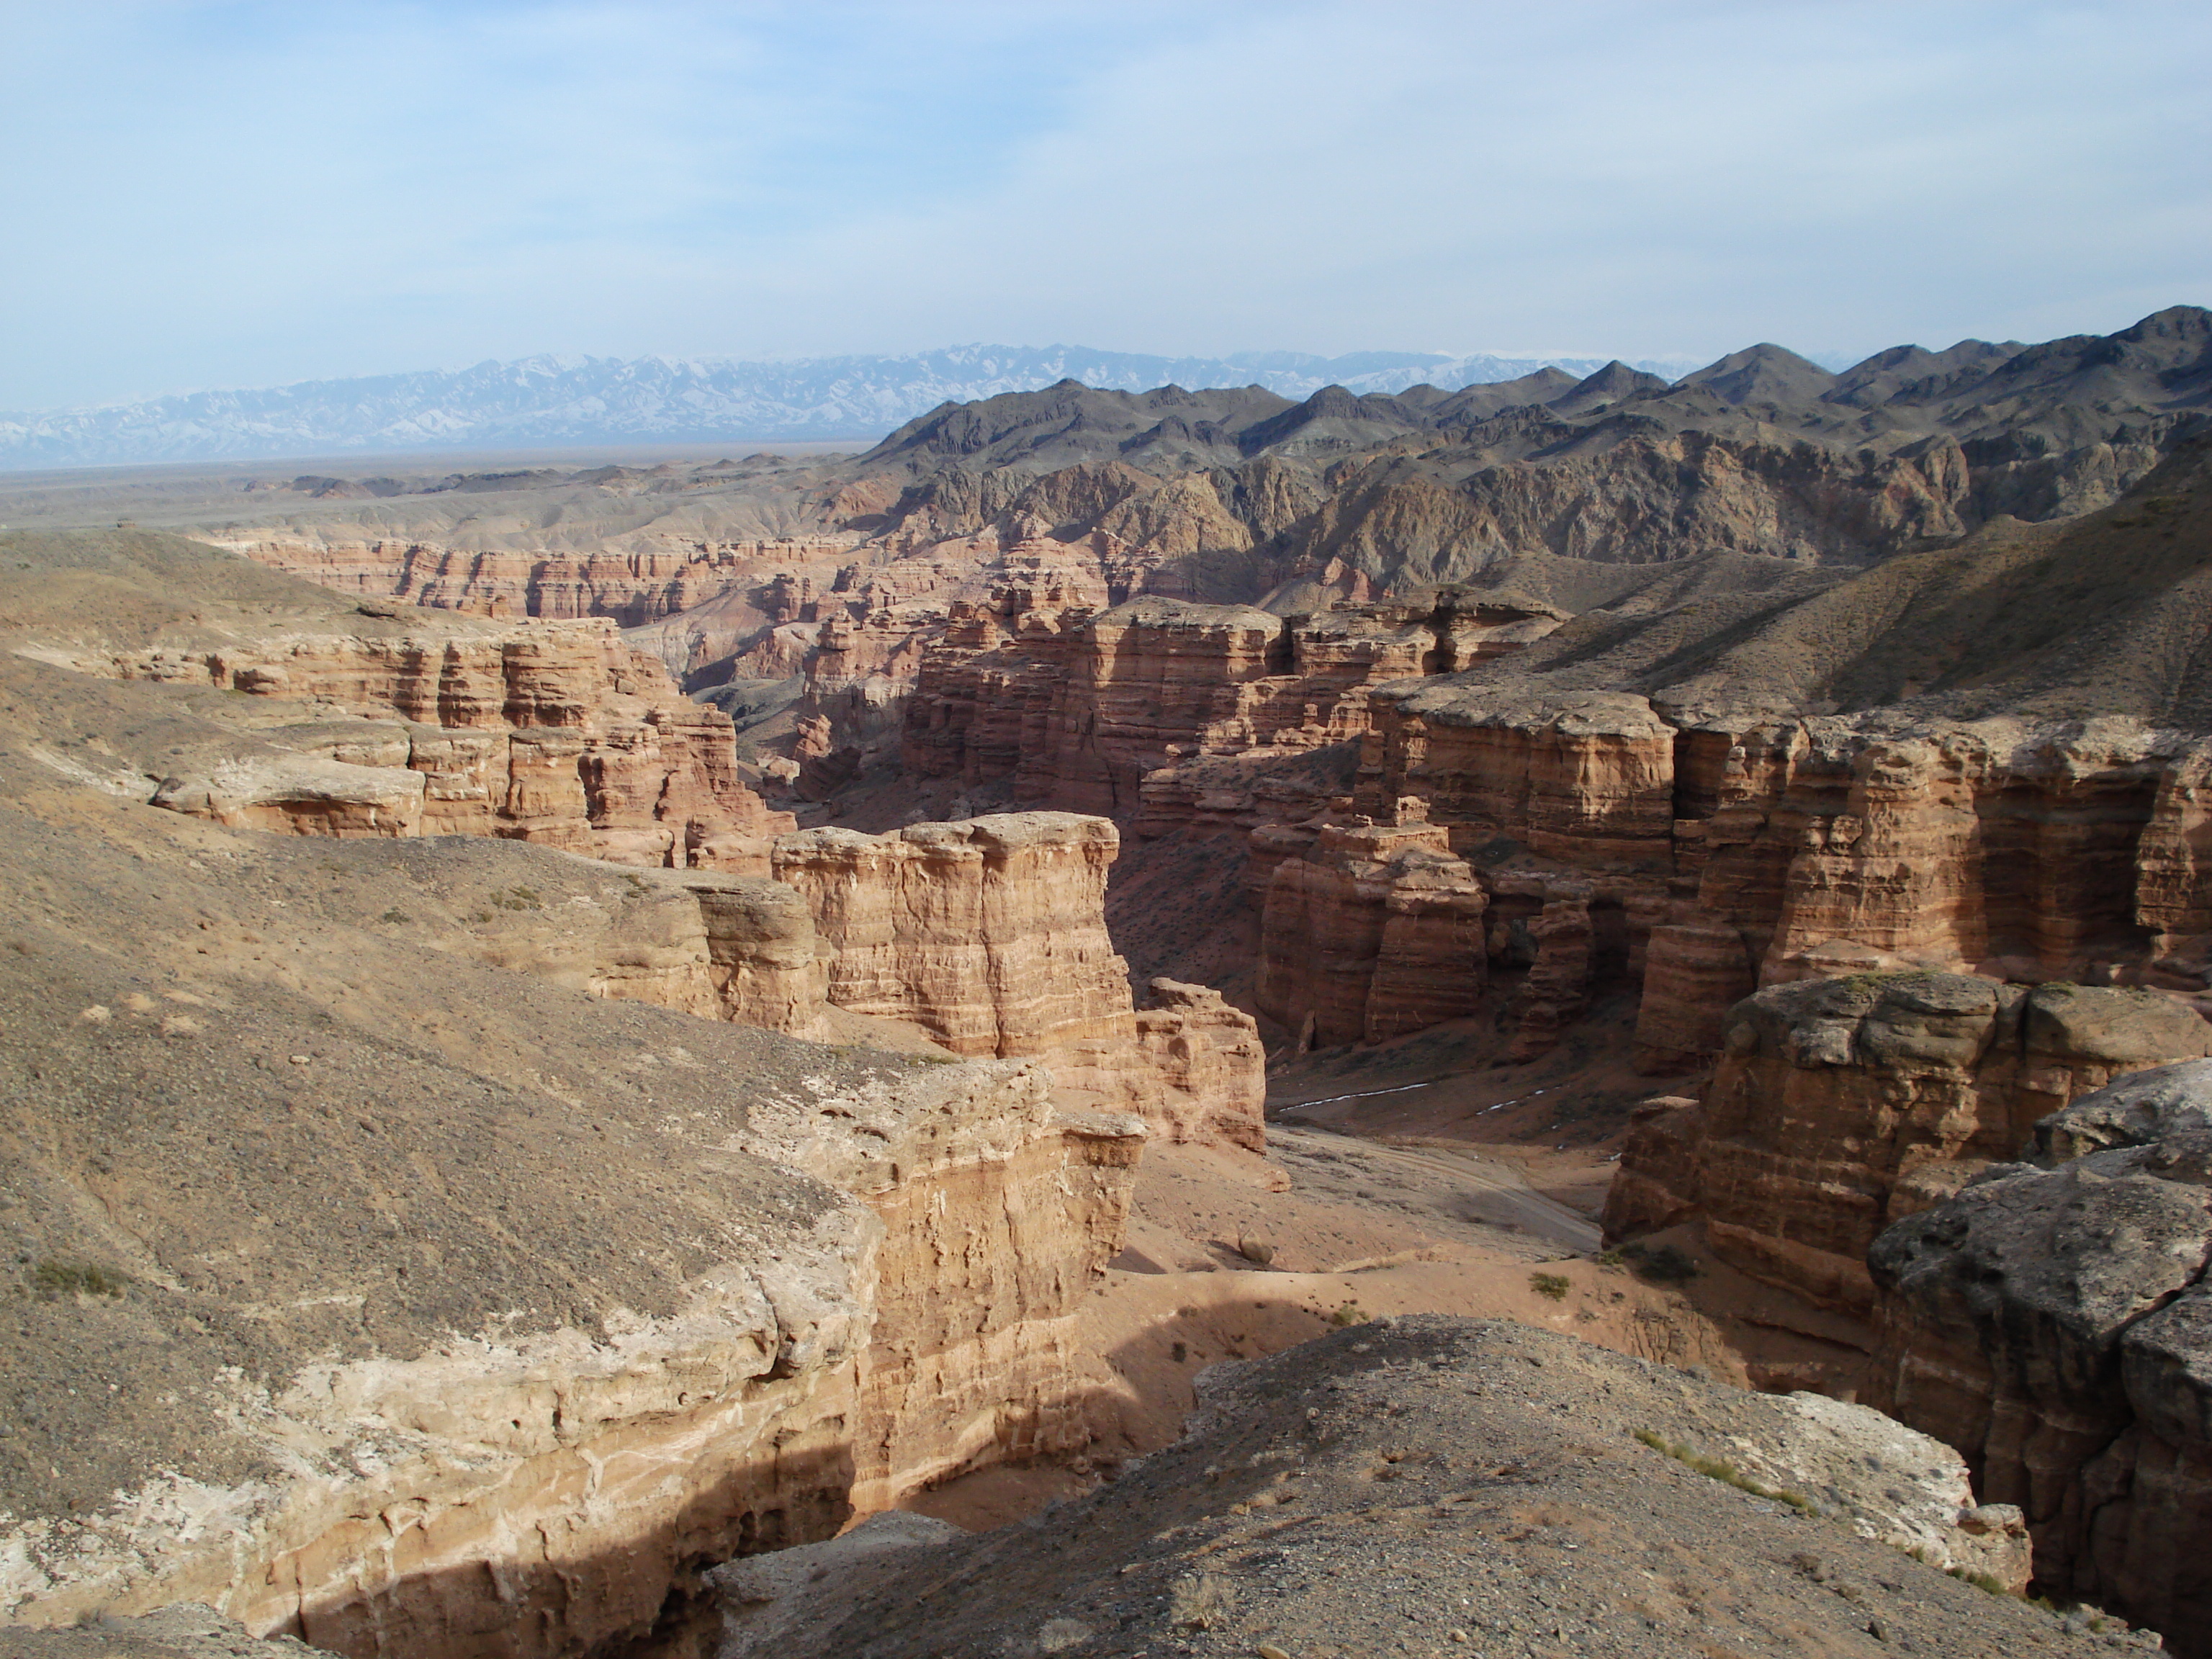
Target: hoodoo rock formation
1840, 1106
2052, 1321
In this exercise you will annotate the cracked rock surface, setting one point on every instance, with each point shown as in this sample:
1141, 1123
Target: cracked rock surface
2054, 1323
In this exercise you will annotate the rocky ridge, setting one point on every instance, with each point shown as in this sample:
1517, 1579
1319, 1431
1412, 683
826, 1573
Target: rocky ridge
2050, 1319
1426, 1485
822, 1279
563, 400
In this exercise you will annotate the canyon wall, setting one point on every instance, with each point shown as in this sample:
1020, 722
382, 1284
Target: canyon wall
1692, 853
998, 1206
721, 946
555, 734
990, 935
984, 939
1754, 850
1839, 1106
1082, 710
2052, 1321
1371, 931
632, 585
542, 1497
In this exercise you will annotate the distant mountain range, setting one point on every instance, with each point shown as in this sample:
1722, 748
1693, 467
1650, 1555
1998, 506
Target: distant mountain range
559, 402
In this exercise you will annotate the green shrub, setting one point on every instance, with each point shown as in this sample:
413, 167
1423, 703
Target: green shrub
1553, 1285
52, 1278
1720, 1469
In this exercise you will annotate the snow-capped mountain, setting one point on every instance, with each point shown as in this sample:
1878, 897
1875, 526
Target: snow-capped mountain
554, 401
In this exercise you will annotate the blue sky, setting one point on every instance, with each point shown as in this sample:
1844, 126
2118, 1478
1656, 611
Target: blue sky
204, 195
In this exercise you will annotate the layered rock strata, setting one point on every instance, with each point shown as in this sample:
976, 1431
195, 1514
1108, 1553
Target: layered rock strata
2052, 1321
1842, 1105
990, 935
541, 1497
1081, 710
554, 733
998, 1206
1372, 931
1750, 850
632, 585
1209, 1068
737, 948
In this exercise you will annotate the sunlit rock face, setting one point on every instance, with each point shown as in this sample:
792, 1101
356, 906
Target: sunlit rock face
553, 734
990, 935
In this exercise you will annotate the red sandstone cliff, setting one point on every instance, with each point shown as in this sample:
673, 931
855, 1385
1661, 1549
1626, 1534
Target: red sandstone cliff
990, 935
2051, 1320
548, 732
1840, 1106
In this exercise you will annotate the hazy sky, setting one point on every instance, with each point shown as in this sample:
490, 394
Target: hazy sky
201, 194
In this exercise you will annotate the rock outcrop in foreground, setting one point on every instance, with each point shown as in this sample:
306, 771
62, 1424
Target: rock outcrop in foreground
1842, 1105
2053, 1321
369, 1293
1433, 1484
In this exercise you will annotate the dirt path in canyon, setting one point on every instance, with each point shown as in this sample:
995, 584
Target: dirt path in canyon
1357, 1230
1435, 1185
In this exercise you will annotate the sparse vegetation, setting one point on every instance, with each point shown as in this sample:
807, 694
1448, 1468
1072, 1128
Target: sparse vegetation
52, 1278
396, 917
1200, 1600
1348, 1313
1980, 1580
1720, 1469
1874, 979
1552, 1286
518, 898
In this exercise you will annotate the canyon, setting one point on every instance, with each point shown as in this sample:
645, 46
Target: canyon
2048, 1319
812, 989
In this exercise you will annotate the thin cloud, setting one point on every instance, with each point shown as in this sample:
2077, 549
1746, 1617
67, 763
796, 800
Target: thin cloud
241, 194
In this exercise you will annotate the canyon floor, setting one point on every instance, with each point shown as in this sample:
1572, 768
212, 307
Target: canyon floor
590, 1059
1398, 1181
